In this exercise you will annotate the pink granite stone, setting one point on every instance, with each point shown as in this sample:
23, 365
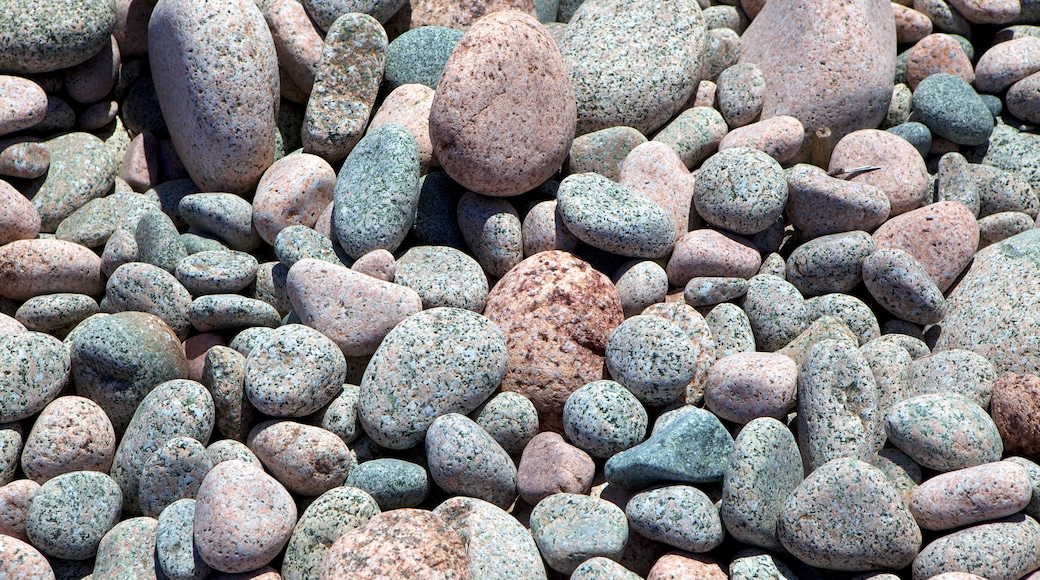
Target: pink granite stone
937, 53
410, 105
745, 386
971, 495
911, 25
295, 190
35, 267
379, 264
779, 137
297, 40
1007, 63
686, 566
942, 237
14, 504
706, 252
902, 174
989, 11
307, 460
655, 170
21, 561
22, 104
1015, 405
551, 465
461, 14
70, 434
19, 219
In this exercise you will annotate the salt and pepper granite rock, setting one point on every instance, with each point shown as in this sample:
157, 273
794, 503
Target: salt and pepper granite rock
571, 528
491, 228
1000, 550
70, 434
392, 483
651, 513
652, 357
128, 549
740, 190
71, 513
34, 368
329, 517
175, 545
307, 460
510, 418
293, 372
604, 418
550, 465
497, 546
967, 436
175, 471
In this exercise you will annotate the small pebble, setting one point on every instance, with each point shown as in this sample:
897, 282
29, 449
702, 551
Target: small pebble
829, 264
943, 432
744, 386
510, 418
464, 460
307, 460
571, 528
695, 134
492, 229
550, 465
603, 151
1001, 550
902, 286
604, 418
329, 517
651, 357
392, 483
740, 190
971, 495
216, 272
71, 513
699, 530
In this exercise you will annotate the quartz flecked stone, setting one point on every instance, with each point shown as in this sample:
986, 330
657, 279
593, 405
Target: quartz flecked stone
761, 472
954, 371
295, 243
652, 357
711, 290
498, 547
550, 465
404, 543
943, 431
503, 116
392, 483
24, 104
460, 15
216, 272
297, 41
34, 368
902, 174
340, 415
307, 460
233, 494
25, 157
354, 310
70, 434
696, 328
229, 311
632, 64
820, 75
223, 374
46, 36
776, 310
971, 495
142, 287
745, 386
903, 287
443, 276
71, 513
175, 545
333, 514
847, 516
1002, 550
829, 264
19, 219
752, 563
852, 311
409, 105
377, 191
604, 418
731, 328
491, 228
650, 514
418, 56
691, 448
97, 220
1014, 403
640, 283
603, 151
694, 135
157, 243
293, 372
175, 471
128, 550
293, 191
36, 267
656, 170
510, 418
464, 460
15, 498
443, 360
942, 237
707, 252
823, 328
556, 310
571, 528
224, 216
216, 78
611, 217
740, 190
837, 405
819, 204
117, 359
740, 94
22, 560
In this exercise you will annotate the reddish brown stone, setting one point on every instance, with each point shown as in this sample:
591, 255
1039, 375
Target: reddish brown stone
551, 465
556, 312
1015, 407
195, 349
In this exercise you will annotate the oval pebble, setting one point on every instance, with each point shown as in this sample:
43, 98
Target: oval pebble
819, 204
34, 368
71, 513
952, 109
902, 176
35, 267
740, 94
174, 472
603, 151
604, 418
695, 134
780, 137
571, 528
651, 357
23, 561
510, 418
128, 549
293, 372
223, 374
419, 55
47, 36
1001, 550
497, 546
464, 460
640, 284
956, 371
293, 191
971, 495
142, 287
15, 498
225, 216
492, 229
550, 465
709, 253
745, 386
70, 434
174, 544
902, 286
700, 529
228, 311
741, 190
776, 311
943, 431
731, 328
216, 272
829, 264
307, 460
392, 483
56, 314
329, 517
942, 236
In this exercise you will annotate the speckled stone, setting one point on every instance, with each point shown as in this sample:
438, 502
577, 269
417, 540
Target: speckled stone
855, 313
601, 568
837, 405
603, 418
779, 137
19, 219
603, 151
1014, 403
377, 191
12, 439
398, 544
1004, 190
611, 217
71, 513
902, 286
1001, 226
35, 267
937, 53
22, 561
142, 287
269, 286
56, 314
1022, 101
340, 415
216, 272
228, 449
409, 105
225, 216
175, 550
741, 94
754, 564
652, 357
709, 253
901, 471
741, 190
694, 135
97, 220
333, 514
223, 374
721, 51
157, 242
829, 264
555, 309
463, 351
510, 418
307, 460
118, 358
822, 328
571, 528
952, 109
678, 565
696, 328
731, 329
1001, 550
293, 191
890, 364
232, 494
691, 448
379, 264
818, 204
941, 236
175, 471
293, 372
321, 292
15, 498
490, 80
297, 40
70, 434
776, 311
24, 104
711, 290
954, 371
128, 550
296, 243
906, 335
229, 311
745, 386
1034, 475
971, 495
699, 530
491, 228
34, 368
615, 85
443, 276
819, 77
220, 108
25, 157
847, 516
1005, 63
899, 108
550, 465
392, 483
656, 171
943, 431
464, 460
419, 55
48, 36
903, 176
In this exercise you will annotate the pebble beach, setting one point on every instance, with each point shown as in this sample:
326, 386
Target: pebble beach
519, 289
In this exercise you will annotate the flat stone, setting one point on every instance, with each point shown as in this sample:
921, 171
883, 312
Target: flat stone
224, 216
740, 190
392, 483
818, 204
229, 311
780, 137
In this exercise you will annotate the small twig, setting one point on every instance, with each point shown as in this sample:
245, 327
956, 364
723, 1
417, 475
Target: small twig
852, 171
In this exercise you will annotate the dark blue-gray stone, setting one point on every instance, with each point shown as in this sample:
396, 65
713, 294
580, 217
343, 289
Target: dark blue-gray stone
393, 483
951, 108
692, 447
436, 219
917, 134
418, 56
